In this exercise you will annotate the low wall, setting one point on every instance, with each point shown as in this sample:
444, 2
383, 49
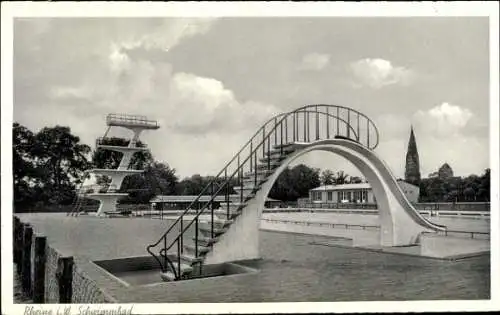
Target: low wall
440, 246
465, 206
47, 275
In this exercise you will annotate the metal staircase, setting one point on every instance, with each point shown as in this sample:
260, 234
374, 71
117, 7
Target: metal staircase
182, 248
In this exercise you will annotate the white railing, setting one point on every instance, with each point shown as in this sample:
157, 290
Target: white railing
112, 119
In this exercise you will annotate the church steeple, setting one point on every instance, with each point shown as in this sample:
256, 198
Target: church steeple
412, 169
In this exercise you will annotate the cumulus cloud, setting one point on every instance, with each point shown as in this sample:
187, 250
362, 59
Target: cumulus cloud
377, 73
204, 105
77, 86
444, 120
314, 61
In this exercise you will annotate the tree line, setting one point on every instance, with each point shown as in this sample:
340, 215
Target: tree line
49, 165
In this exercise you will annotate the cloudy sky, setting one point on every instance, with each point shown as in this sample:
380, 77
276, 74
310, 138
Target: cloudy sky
212, 82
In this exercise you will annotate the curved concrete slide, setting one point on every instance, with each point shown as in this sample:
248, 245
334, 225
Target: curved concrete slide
389, 178
400, 223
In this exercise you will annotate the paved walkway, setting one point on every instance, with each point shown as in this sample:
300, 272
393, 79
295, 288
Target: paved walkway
292, 268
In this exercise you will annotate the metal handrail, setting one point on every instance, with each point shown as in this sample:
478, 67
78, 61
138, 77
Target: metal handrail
130, 118
266, 137
104, 141
227, 165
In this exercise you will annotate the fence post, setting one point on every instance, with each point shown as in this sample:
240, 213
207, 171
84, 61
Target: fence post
26, 259
39, 270
64, 276
17, 244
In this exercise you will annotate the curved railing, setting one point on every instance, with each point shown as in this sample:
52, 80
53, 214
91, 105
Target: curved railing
306, 124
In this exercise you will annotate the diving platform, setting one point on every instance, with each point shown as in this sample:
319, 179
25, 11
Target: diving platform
108, 195
122, 148
131, 121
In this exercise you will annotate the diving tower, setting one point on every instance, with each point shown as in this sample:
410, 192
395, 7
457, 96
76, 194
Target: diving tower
109, 195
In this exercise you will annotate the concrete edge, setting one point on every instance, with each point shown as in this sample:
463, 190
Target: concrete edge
446, 258
308, 234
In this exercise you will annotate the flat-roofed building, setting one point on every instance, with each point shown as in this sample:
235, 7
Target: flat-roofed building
356, 193
181, 202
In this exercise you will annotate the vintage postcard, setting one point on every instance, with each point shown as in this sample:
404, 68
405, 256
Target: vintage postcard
249, 157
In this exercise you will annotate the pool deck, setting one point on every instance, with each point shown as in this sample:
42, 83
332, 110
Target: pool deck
293, 268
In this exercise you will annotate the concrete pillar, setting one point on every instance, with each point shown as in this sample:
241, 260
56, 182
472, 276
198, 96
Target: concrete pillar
39, 270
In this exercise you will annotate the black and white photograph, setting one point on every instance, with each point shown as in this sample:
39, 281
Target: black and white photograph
232, 157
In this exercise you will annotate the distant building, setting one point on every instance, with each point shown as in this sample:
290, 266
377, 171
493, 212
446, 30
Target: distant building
445, 171
412, 169
356, 193
181, 202
434, 175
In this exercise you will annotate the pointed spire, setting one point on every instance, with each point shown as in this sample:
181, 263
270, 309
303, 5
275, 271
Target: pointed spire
412, 169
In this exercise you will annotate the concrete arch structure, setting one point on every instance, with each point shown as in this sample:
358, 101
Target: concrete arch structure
400, 223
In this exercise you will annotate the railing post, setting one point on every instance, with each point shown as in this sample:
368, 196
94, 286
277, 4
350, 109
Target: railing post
286, 128
251, 155
227, 186
275, 134
281, 136
357, 117
317, 123
293, 122
348, 123
338, 120
263, 143
26, 259
327, 123
164, 267
269, 150
305, 123
64, 275
255, 171
212, 211
241, 185
179, 259
196, 238
368, 132
181, 238
39, 270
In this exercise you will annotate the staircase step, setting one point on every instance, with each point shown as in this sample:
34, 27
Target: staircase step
207, 230
205, 241
185, 268
223, 213
261, 172
276, 158
264, 166
167, 276
190, 259
233, 206
245, 188
251, 180
191, 249
219, 223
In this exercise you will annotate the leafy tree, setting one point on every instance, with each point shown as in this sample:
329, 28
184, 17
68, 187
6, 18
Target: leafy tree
46, 165
295, 183
341, 178
327, 177
158, 179
195, 184
355, 180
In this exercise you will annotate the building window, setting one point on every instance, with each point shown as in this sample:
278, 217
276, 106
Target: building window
365, 196
349, 196
316, 195
330, 196
340, 196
